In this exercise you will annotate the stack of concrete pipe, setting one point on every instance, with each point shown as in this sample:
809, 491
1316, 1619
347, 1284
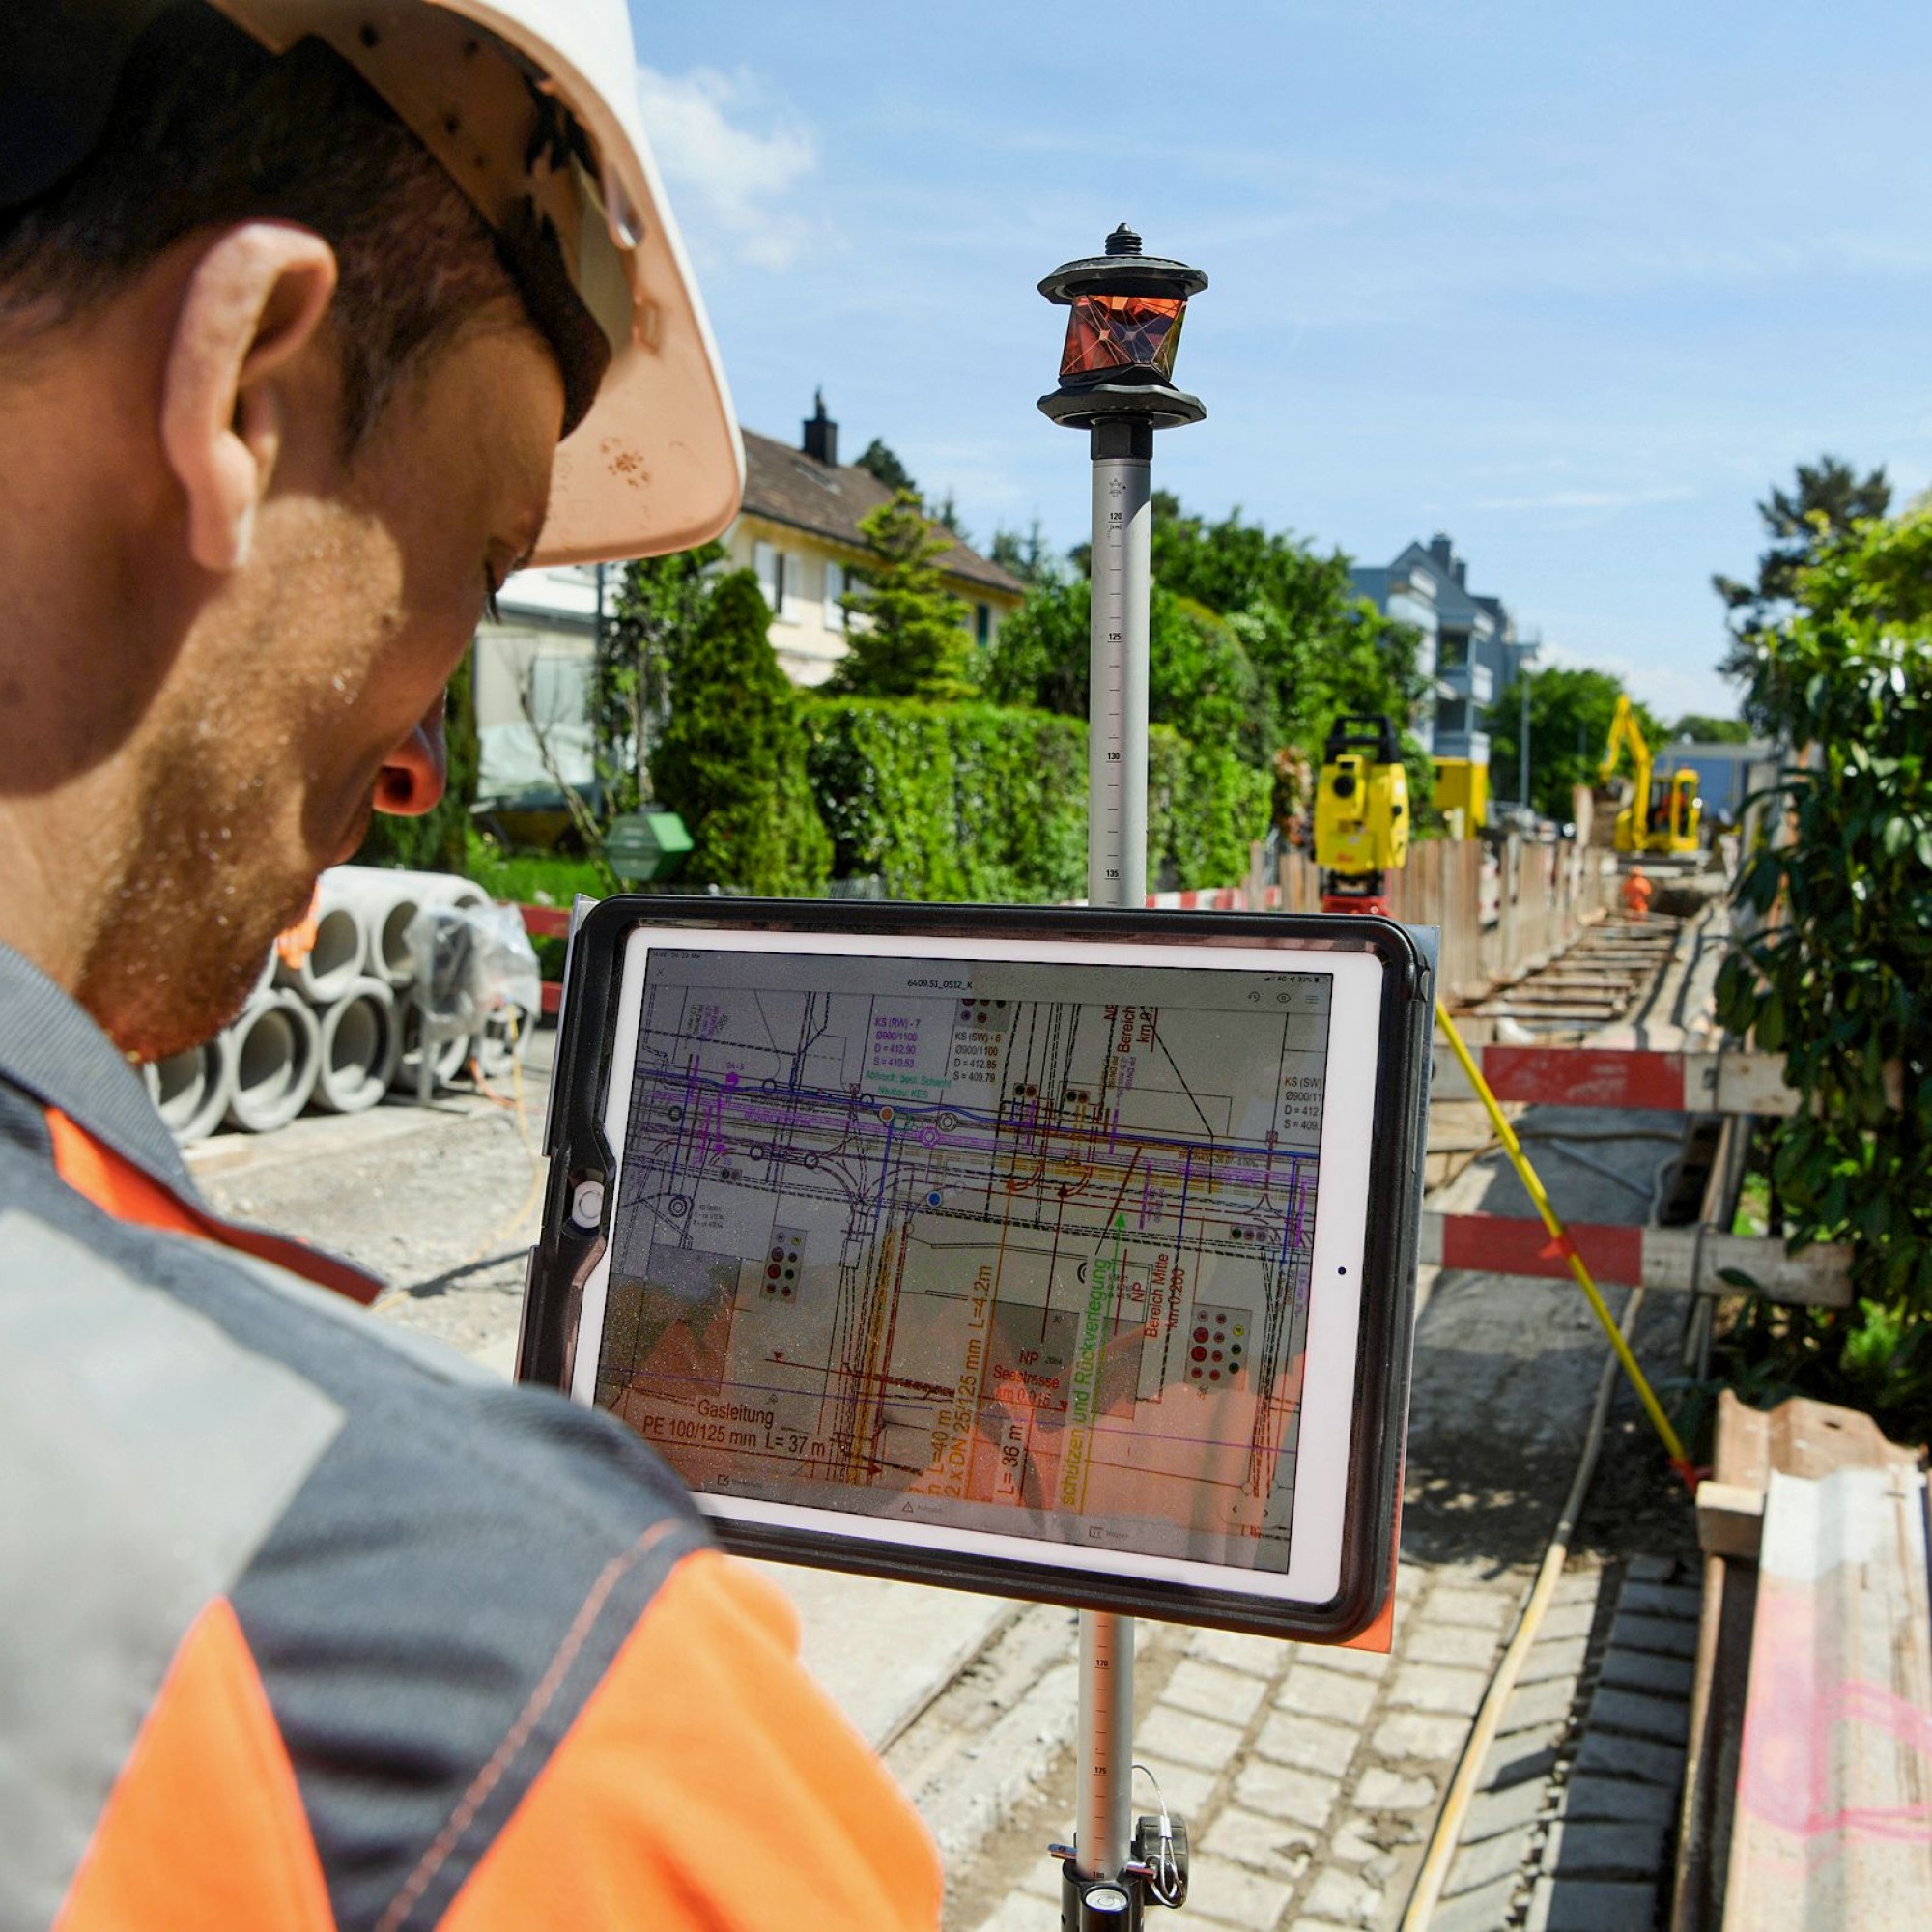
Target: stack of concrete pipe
335, 1032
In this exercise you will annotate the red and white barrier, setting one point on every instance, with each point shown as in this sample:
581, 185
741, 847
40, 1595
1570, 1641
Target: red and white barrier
1688, 1260
1607, 1076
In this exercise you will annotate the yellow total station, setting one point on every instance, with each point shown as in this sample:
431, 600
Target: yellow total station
1361, 808
1663, 812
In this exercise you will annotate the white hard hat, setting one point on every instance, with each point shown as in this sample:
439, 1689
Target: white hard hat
536, 120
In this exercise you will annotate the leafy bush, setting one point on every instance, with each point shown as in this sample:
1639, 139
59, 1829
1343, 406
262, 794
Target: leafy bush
980, 802
1836, 972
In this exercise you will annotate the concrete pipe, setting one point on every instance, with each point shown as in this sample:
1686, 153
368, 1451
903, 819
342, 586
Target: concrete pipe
386, 901
335, 961
452, 1054
190, 1090
357, 1048
274, 1053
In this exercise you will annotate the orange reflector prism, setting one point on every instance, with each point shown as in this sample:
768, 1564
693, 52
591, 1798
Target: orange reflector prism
1108, 332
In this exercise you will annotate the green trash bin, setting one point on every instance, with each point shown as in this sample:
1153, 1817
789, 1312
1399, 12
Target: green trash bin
646, 848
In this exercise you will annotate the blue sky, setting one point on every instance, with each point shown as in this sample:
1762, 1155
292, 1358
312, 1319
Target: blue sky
1571, 284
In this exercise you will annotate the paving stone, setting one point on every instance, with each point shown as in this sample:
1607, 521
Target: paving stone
1590, 1905
1416, 1734
1501, 1811
1377, 1790
1286, 1796
1483, 1609
1324, 1693
1631, 1758
1354, 1844
1437, 1686
1183, 1735
1520, 1755
1343, 1898
1533, 1704
1410, 1581
1481, 1911
1220, 1887
1579, 1586
1308, 1744
1186, 1787
1664, 1719
1236, 1650
1209, 1692
1496, 1857
1661, 1600
1650, 1568
1645, 1671
1618, 1798
1336, 1656
1557, 1657
1620, 1849
1431, 1642
1266, 1844
1670, 1636
1313, 1925
1567, 1620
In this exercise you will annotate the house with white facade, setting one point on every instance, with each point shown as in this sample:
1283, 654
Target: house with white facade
798, 529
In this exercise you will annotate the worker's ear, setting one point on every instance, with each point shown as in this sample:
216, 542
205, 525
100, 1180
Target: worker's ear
252, 303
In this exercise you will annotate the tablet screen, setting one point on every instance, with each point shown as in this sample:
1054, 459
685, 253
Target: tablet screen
1015, 1247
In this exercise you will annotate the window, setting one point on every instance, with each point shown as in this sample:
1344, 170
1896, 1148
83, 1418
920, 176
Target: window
782, 577
983, 624
835, 596
791, 587
1452, 714
1453, 652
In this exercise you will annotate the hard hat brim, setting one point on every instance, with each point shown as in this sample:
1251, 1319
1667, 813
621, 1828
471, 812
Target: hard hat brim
656, 464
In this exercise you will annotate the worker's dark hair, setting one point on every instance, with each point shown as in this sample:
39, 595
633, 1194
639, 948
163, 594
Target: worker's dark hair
209, 128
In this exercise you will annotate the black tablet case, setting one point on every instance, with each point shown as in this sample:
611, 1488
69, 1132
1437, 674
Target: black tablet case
566, 1253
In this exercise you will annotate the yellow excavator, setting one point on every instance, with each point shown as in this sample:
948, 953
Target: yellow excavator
1663, 813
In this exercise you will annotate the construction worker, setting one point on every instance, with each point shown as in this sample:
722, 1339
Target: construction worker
1637, 897
303, 1624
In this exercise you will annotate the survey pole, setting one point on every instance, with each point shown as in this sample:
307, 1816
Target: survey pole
1117, 705
1115, 382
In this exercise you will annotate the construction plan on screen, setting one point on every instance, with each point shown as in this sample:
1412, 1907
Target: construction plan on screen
984, 1244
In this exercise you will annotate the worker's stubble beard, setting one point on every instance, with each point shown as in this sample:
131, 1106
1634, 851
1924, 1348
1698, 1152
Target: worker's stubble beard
217, 855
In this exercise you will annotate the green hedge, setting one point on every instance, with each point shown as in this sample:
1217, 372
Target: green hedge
981, 801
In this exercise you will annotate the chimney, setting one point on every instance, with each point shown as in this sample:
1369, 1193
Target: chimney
1442, 552
821, 434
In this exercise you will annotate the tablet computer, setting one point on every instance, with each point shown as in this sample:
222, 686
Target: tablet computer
1061, 1254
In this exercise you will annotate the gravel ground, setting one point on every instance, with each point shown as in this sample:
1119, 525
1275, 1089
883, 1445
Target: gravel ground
440, 1202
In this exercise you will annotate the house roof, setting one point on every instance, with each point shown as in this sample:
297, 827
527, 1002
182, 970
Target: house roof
785, 486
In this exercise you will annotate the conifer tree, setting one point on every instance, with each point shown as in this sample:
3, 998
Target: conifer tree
912, 639
732, 759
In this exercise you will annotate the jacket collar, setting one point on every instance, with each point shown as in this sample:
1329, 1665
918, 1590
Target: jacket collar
53, 1050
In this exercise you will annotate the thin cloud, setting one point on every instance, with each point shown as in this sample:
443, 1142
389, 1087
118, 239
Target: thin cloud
733, 162
1590, 499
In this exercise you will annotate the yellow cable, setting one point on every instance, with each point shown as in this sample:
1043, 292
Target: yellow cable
1560, 1235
